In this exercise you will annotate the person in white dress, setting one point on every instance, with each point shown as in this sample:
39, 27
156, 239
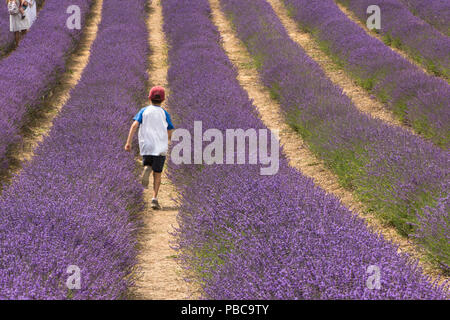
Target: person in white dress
18, 24
31, 11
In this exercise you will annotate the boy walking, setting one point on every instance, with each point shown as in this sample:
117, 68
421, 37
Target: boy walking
155, 132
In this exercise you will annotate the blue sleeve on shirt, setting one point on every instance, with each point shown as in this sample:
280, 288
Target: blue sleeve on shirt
138, 117
169, 121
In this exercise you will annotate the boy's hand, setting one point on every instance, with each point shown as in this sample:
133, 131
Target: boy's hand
133, 129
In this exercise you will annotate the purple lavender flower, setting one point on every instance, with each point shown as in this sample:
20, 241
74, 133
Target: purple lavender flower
435, 12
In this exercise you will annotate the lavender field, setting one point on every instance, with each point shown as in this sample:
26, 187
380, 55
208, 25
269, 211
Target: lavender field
69, 224
35, 65
420, 100
424, 43
237, 218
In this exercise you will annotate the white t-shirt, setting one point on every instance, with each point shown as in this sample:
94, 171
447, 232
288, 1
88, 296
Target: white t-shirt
153, 137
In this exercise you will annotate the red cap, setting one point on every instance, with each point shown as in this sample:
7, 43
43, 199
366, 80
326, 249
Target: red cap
157, 93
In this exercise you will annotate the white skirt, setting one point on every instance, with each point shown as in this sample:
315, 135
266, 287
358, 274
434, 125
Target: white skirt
16, 23
31, 11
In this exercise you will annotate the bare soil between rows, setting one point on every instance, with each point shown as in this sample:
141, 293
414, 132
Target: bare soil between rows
161, 275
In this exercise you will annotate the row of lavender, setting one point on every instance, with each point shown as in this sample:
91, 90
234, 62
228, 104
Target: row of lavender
400, 28
394, 172
75, 202
419, 100
32, 70
248, 236
435, 12
7, 37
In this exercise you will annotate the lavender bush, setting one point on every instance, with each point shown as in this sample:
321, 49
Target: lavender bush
394, 172
400, 28
435, 12
32, 70
433, 232
248, 236
421, 101
75, 202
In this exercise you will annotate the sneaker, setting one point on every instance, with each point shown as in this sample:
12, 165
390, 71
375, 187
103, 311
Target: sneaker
155, 205
146, 177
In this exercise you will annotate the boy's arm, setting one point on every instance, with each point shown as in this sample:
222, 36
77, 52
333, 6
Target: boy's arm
170, 126
133, 129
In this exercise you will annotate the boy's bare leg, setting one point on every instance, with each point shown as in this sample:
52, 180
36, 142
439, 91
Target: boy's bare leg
156, 183
146, 176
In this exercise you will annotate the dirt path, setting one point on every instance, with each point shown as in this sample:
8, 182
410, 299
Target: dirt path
162, 277
294, 147
405, 55
41, 121
360, 97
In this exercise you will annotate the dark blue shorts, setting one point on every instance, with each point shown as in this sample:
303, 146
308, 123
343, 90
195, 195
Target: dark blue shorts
156, 162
